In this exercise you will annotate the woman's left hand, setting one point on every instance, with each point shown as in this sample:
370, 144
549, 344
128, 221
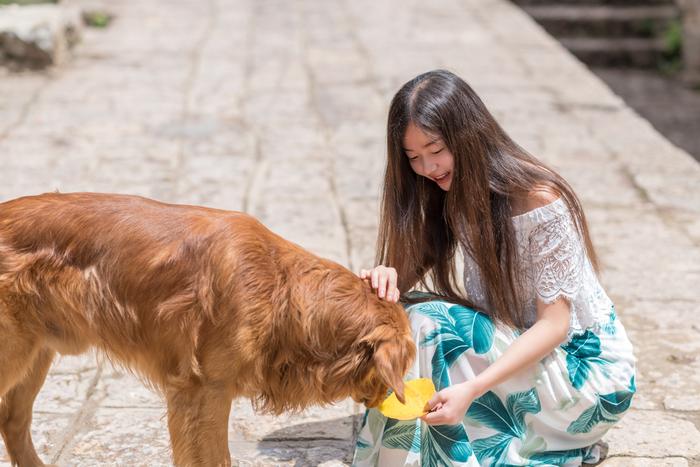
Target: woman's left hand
448, 406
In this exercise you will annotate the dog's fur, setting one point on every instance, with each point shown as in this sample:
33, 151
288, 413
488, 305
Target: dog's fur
206, 305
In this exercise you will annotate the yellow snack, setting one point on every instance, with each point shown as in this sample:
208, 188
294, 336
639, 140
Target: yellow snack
417, 393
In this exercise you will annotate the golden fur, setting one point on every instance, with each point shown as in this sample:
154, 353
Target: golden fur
206, 305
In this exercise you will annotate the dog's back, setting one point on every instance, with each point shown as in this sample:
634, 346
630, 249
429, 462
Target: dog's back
87, 227
107, 270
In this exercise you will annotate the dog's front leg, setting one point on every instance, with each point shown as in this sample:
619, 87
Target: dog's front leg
198, 423
16, 412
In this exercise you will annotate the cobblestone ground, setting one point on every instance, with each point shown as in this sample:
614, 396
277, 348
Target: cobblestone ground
278, 108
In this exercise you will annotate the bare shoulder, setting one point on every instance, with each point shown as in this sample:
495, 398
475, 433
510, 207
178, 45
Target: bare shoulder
541, 195
538, 196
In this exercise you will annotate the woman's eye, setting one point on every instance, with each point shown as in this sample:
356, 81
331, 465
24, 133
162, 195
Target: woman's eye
412, 158
438, 151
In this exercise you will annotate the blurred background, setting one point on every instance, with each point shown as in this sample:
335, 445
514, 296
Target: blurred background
647, 51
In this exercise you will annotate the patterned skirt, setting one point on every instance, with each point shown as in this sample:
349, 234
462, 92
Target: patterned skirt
550, 414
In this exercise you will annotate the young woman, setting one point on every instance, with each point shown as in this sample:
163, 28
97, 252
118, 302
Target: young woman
532, 365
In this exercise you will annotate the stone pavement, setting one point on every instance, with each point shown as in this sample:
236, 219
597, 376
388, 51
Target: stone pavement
278, 108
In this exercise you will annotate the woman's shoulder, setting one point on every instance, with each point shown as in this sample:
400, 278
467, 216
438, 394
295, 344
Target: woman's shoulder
538, 197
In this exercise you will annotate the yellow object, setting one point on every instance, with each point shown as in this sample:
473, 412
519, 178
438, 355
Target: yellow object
417, 393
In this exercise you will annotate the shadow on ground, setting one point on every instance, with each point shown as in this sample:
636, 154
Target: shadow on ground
301, 446
306, 449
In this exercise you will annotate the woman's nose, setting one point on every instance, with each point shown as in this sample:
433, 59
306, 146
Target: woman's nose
430, 168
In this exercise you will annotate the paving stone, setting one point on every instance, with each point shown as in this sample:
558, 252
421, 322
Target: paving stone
328, 454
126, 437
644, 462
596, 188
332, 422
295, 142
49, 431
686, 403
65, 393
645, 231
647, 433
119, 389
667, 367
646, 153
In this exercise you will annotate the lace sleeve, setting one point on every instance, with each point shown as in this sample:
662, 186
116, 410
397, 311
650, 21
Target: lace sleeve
557, 255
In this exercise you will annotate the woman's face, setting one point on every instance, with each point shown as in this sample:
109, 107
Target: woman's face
428, 156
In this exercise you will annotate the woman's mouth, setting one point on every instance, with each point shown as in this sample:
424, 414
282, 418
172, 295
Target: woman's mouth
442, 178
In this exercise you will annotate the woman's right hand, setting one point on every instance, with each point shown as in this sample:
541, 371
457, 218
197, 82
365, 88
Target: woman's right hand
383, 280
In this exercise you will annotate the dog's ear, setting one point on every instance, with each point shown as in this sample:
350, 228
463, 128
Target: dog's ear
391, 360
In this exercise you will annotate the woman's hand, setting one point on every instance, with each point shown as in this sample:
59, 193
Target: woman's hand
449, 406
383, 280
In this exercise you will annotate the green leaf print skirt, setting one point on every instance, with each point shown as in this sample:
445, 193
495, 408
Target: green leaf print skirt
552, 414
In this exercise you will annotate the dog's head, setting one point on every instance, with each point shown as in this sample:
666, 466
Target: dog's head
342, 341
381, 351
391, 352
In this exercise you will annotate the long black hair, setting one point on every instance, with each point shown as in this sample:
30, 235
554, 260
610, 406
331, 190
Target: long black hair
421, 225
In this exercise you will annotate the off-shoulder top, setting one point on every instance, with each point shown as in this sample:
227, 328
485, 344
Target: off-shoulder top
553, 263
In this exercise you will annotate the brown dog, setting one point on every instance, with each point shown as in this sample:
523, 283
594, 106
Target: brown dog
207, 305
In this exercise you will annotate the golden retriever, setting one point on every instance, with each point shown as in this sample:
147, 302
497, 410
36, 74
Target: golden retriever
206, 305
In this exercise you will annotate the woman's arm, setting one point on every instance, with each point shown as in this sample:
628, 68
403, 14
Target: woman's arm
550, 330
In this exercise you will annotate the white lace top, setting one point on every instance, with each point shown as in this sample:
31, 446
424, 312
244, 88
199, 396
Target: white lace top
553, 264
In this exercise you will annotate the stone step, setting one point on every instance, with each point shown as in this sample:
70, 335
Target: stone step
604, 21
642, 53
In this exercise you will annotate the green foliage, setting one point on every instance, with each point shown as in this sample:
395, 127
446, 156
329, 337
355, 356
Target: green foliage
582, 352
672, 60
608, 409
508, 420
459, 329
440, 445
97, 19
674, 38
444, 444
646, 28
